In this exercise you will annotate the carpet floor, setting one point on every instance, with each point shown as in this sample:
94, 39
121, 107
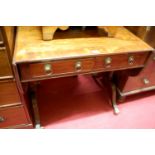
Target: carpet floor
79, 103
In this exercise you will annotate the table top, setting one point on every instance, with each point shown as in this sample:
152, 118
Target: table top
30, 46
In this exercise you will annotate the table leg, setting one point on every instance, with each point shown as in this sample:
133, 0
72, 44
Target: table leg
35, 106
107, 78
113, 99
113, 95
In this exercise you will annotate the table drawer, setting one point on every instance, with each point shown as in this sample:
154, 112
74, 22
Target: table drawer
121, 61
62, 67
12, 116
5, 68
8, 93
56, 68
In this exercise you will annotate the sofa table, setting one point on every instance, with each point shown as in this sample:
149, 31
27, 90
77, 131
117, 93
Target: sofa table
68, 55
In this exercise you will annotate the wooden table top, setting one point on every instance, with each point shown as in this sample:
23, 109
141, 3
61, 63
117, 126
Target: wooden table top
30, 46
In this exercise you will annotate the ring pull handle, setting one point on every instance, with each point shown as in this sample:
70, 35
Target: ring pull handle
131, 60
48, 68
78, 65
108, 61
146, 81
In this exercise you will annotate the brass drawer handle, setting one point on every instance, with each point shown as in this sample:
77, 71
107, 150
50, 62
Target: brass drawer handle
2, 119
78, 65
108, 61
2, 48
131, 60
146, 81
48, 68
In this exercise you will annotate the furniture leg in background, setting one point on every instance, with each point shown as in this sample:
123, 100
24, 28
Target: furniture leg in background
113, 99
106, 80
33, 94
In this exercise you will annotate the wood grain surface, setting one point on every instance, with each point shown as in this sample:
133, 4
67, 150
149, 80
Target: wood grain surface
9, 93
31, 47
5, 67
13, 116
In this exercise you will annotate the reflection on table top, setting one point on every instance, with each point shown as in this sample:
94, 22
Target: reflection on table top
31, 47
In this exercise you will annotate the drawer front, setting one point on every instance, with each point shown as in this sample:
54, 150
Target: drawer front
73, 66
5, 68
8, 93
121, 61
62, 67
56, 68
12, 116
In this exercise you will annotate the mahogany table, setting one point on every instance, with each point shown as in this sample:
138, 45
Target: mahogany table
69, 55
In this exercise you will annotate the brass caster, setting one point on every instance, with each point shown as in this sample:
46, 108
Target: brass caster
38, 126
116, 110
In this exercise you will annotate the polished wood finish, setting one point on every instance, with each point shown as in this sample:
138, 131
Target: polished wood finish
12, 116
62, 54
6, 51
37, 70
5, 68
140, 31
121, 61
10, 36
9, 94
13, 106
48, 31
29, 71
35, 59
30, 46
